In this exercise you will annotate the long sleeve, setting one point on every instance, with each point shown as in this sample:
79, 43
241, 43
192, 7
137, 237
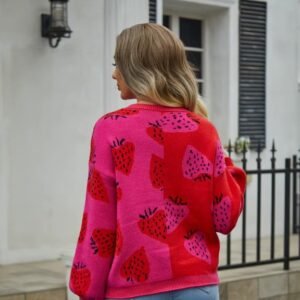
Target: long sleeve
228, 192
97, 238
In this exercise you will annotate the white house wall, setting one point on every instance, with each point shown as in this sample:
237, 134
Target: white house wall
282, 75
282, 111
49, 101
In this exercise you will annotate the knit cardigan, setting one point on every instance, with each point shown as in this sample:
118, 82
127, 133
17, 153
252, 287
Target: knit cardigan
159, 189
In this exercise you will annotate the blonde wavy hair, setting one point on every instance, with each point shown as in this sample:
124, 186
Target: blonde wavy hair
153, 63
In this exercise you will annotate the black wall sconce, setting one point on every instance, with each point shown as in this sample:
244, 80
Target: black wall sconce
55, 26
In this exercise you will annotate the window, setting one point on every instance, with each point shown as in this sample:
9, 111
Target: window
190, 32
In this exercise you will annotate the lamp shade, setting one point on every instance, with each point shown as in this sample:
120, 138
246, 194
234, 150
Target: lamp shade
59, 19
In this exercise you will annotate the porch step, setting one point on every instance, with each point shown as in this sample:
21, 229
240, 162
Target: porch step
33, 281
47, 281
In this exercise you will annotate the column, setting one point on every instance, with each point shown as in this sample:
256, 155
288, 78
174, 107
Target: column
119, 14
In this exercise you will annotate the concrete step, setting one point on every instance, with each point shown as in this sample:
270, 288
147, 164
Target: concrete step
46, 280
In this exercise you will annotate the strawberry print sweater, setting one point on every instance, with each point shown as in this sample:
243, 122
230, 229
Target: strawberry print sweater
159, 189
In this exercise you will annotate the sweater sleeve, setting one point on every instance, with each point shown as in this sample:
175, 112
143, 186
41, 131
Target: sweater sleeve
228, 191
96, 242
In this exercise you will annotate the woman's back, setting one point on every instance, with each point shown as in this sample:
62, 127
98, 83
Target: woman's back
159, 189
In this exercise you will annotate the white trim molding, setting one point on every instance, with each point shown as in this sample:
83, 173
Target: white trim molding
4, 161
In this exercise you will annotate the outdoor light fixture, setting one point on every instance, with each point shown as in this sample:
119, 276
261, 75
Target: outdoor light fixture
55, 26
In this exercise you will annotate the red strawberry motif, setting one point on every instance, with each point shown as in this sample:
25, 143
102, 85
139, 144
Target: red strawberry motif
155, 131
157, 171
123, 155
119, 239
119, 191
103, 242
96, 187
122, 113
136, 267
80, 279
83, 228
153, 224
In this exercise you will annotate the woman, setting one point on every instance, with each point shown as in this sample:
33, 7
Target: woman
159, 186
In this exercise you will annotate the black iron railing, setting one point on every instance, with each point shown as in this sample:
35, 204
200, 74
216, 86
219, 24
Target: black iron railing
291, 188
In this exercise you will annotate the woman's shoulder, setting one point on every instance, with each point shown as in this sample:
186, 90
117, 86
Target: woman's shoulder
122, 113
113, 119
203, 122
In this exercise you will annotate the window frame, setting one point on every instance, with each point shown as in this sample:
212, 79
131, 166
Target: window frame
174, 22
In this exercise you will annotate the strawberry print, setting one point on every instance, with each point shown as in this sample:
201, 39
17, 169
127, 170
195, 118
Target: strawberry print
103, 242
123, 155
157, 172
153, 224
83, 228
136, 268
176, 211
222, 213
196, 165
80, 279
155, 132
119, 239
219, 161
196, 246
121, 113
177, 122
96, 187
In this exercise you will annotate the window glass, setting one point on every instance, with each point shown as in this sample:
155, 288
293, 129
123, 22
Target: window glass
190, 32
200, 88
166, 21
195, 59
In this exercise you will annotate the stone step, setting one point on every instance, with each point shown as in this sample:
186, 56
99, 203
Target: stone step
33, 281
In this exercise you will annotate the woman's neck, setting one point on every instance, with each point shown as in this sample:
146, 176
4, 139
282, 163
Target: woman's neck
142, 101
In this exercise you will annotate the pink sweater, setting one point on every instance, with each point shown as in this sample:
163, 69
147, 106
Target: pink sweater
158, 190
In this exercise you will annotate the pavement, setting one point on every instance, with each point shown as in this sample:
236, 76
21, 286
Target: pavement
46, 280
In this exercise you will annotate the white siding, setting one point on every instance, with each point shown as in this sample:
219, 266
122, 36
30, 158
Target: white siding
49, 100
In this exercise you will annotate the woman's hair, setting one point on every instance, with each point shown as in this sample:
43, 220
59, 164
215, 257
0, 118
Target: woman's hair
153, 63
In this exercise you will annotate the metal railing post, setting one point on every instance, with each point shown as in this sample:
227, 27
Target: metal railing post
286, 249
258, 229
273, 193
294, 194
244, 162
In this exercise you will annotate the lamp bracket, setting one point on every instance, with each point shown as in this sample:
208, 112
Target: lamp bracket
46, 19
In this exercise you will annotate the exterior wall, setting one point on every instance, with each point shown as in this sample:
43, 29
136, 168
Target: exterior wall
282, 109
49, 101
50, 98
282, 76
